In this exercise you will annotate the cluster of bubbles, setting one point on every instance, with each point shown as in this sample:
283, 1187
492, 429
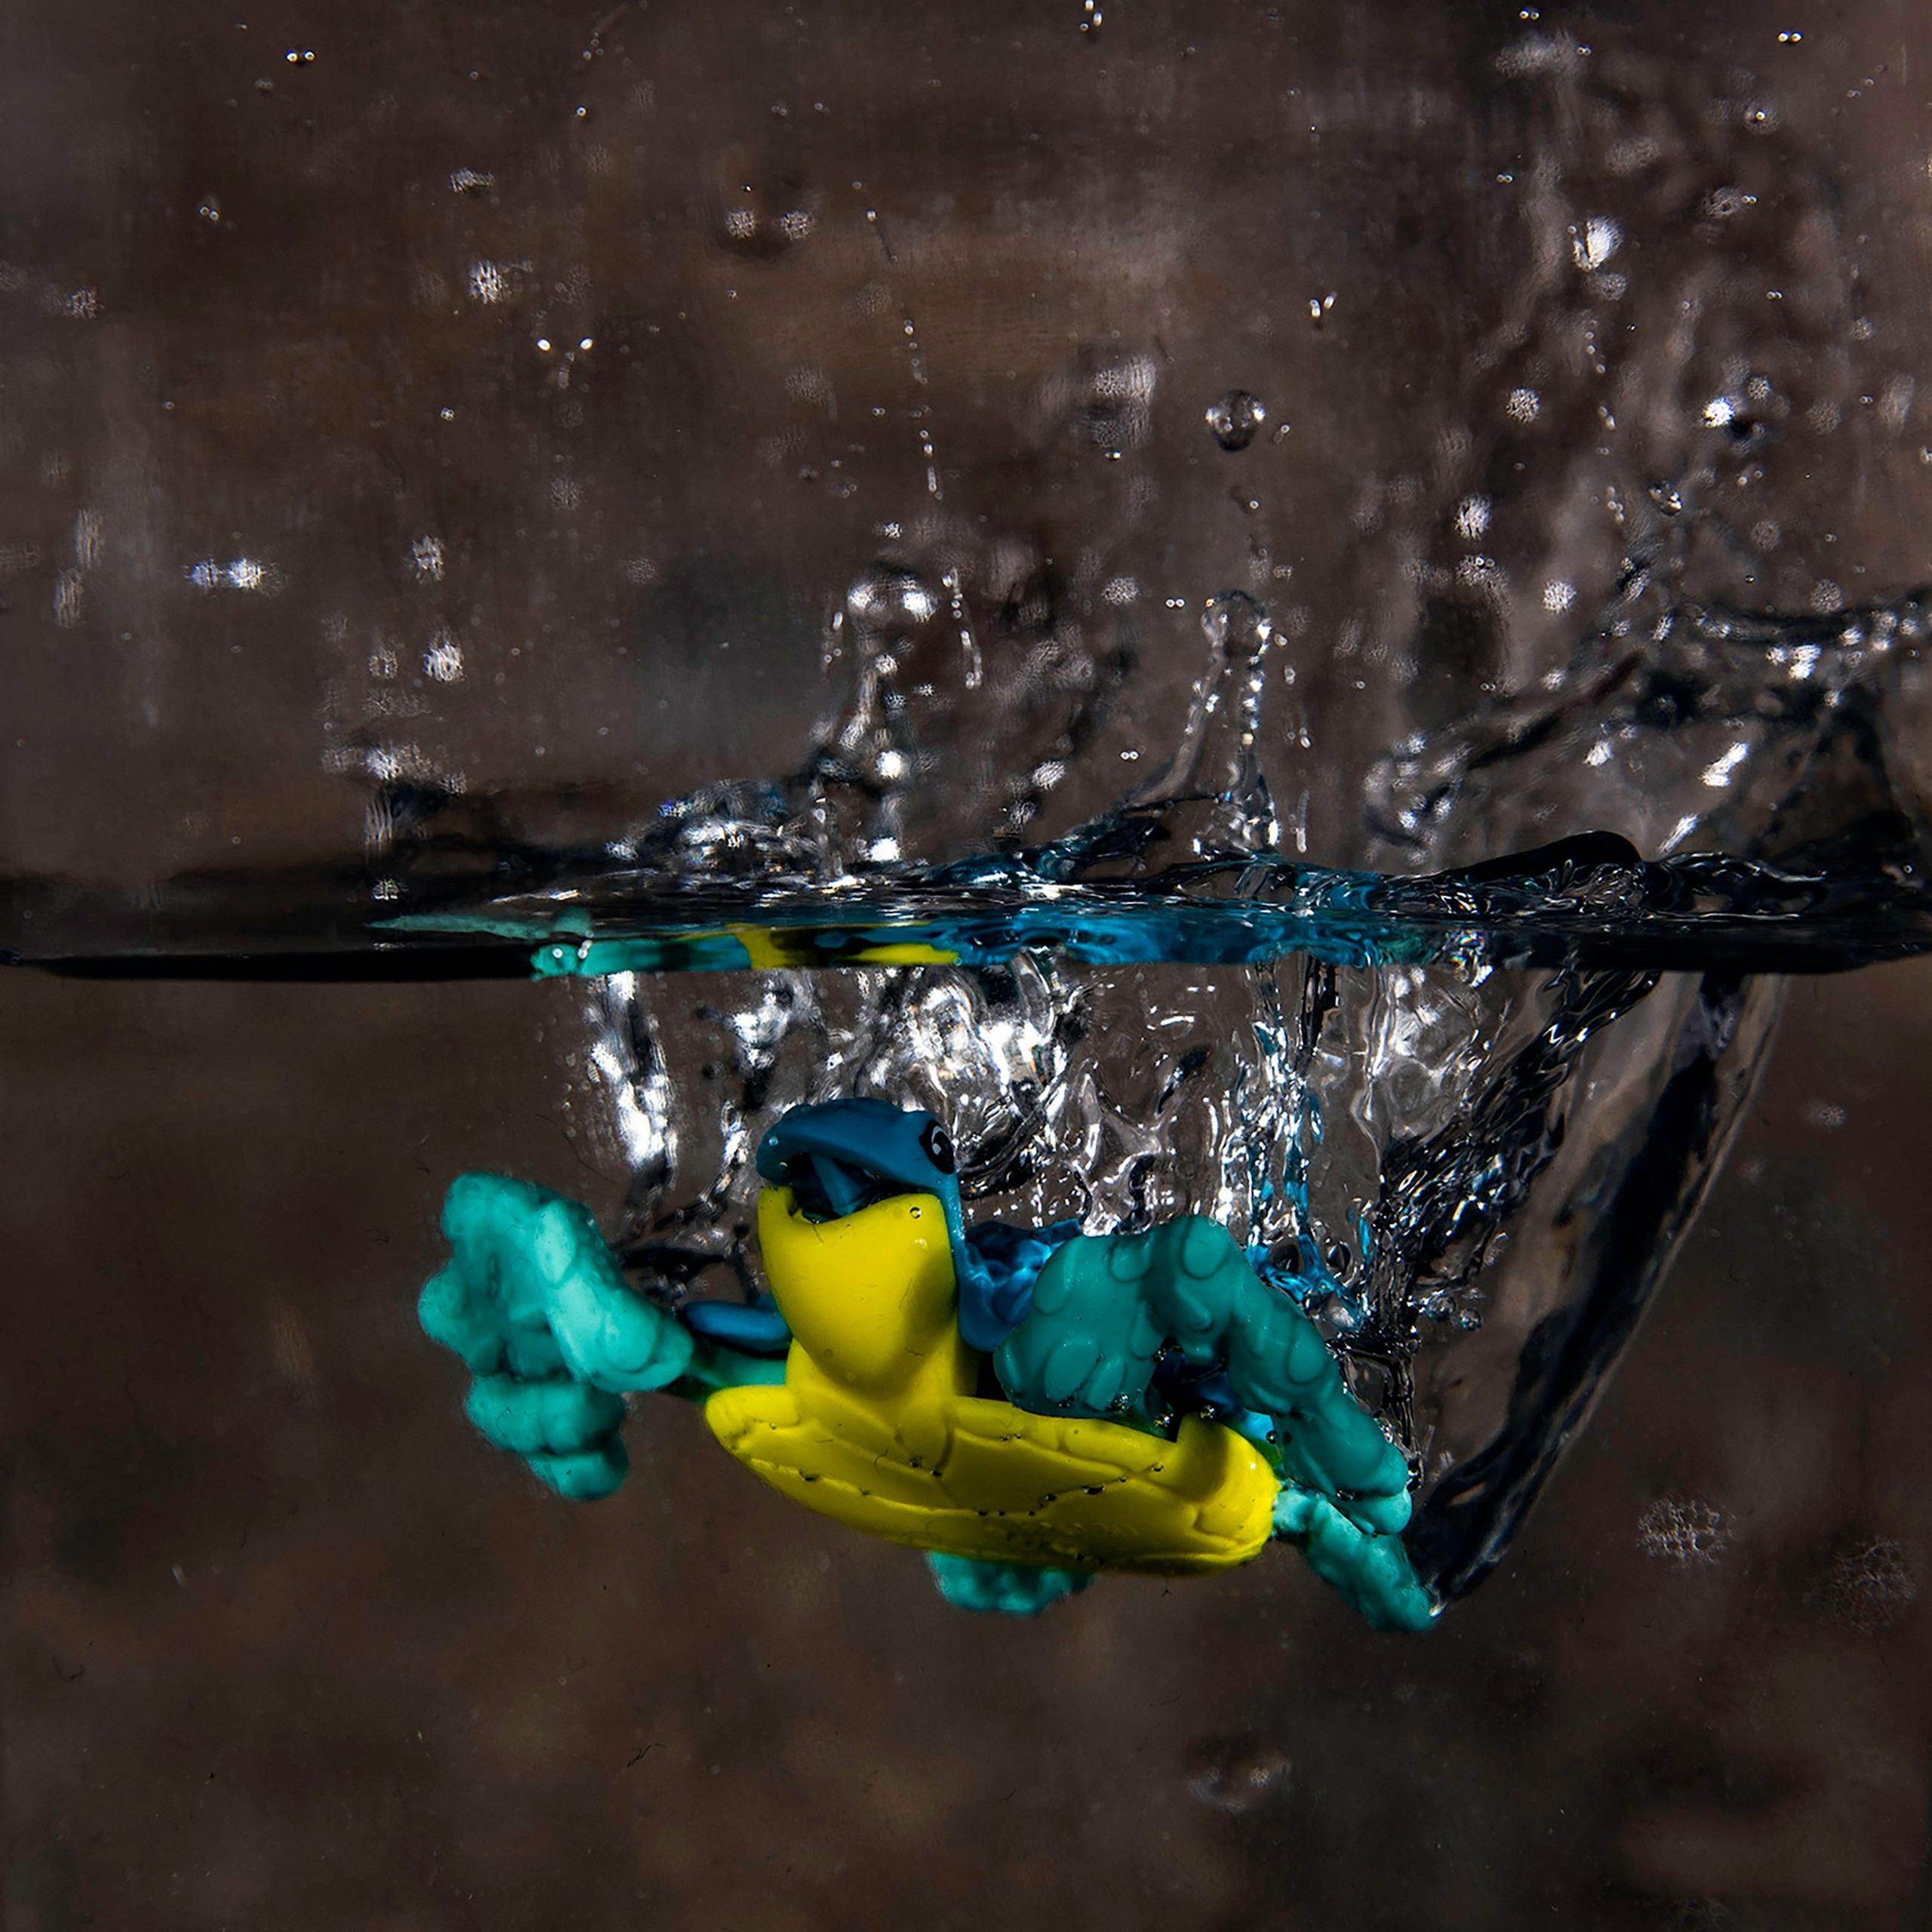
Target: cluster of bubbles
1867, 1584
1681, 1530
1238, 1775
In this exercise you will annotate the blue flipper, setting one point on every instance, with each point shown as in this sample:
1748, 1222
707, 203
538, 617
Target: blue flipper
752, 1328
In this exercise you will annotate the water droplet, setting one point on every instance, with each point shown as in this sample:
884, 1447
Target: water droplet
1238, 626
1236, 419
489, 281
1594, 241
1721, 203
443, 661
888, 601
1747, 414
1116, 414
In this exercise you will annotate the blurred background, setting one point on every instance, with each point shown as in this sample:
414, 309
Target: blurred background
496, 417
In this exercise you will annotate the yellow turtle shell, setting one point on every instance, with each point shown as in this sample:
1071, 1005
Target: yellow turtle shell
876, 1422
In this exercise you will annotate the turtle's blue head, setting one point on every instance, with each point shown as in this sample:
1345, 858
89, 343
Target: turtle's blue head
840, 1156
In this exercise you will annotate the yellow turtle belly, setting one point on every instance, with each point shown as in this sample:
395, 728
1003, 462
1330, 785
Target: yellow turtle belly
876, 1424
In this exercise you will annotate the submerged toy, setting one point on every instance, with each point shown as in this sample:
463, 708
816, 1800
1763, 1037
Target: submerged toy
1028, 1407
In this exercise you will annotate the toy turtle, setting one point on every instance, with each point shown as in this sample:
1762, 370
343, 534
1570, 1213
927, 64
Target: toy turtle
1028, 1407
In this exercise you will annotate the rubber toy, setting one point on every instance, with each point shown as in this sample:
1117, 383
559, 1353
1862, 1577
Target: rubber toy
1028, 1407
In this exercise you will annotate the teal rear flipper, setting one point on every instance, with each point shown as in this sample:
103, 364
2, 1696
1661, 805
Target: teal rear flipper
1372, 1573
1010, 1589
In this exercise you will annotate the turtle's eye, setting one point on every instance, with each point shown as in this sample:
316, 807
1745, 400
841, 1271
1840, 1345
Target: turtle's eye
937, 1145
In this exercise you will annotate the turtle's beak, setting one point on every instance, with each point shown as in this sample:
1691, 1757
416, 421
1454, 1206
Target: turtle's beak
845, 1191
824, 1187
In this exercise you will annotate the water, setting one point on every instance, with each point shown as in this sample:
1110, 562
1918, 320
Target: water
1462, 1116
1460, 1100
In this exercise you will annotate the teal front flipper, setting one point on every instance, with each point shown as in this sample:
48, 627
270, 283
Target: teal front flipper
534, 1303
1104, 1304
1103, 1308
